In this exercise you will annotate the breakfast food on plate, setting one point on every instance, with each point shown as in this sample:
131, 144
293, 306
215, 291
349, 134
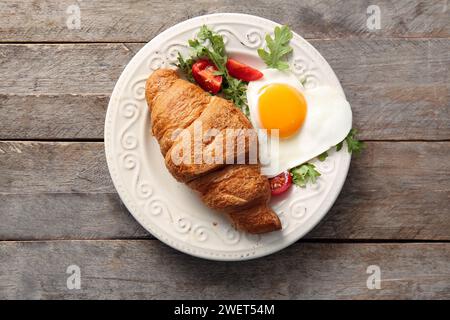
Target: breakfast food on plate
307, 122
310, 121
176, 104
240, 191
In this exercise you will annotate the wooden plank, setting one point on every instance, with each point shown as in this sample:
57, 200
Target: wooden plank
74, 68
89, 69
63, 190
49, 117
395, 91
393, 191
399, 89
66, 216
53, 167
148, 269
112, 21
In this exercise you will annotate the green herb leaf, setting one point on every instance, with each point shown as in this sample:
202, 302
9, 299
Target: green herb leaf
323, 156
278, 47
216, 40
186, 66
236, 91
354, 145
304, 174
210, 45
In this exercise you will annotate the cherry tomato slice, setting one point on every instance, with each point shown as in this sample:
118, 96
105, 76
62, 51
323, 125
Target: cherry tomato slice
280, 183
242, 71
203, 73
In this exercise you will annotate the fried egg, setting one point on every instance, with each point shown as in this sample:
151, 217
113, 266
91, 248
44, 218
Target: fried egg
308, 121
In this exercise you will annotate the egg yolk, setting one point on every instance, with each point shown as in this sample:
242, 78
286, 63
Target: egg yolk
281, 107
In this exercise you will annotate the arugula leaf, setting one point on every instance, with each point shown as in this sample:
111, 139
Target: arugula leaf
304, 174
216, 40
323, 156
236, 91
198, 49
210, 45
353, 145
278, 48
216, 54
186, 66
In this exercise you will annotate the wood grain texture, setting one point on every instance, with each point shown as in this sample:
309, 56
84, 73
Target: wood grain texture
67, 216
399, 89
88, 69
56, 190
56, 82
139, 20
148, 269
49, 117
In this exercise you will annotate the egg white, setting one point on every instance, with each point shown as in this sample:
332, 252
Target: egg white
328, 121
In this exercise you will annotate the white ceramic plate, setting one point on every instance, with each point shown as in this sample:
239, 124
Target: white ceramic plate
171, 211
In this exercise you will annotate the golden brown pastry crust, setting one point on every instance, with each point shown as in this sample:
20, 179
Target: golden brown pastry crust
256, 219
232, 188
239, 191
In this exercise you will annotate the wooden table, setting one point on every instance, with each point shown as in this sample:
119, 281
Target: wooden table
59, 208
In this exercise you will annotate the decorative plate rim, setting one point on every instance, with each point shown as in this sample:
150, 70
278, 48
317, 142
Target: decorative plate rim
177, 244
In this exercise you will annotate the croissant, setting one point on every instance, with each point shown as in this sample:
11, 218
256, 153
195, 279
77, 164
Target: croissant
237, 190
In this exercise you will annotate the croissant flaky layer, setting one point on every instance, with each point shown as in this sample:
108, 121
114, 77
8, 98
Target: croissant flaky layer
238, 190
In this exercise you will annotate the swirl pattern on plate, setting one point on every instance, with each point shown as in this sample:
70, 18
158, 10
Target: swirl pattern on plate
160, 204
